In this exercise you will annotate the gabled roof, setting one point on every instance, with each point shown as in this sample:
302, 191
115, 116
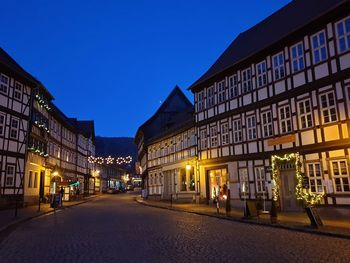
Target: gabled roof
149, 132
86, 128
10, 63
280, 24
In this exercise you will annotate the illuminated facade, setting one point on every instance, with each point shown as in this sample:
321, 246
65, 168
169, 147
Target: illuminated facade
166, 144
281, 87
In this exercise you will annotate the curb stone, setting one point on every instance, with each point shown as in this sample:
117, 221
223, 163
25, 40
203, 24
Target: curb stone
245, 221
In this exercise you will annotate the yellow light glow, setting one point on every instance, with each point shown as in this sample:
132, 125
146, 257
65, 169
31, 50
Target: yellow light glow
188, 167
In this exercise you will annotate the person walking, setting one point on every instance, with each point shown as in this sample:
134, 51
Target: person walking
61, 196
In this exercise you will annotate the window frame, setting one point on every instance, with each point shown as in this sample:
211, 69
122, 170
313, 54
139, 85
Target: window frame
260, 179
251, 127
203, 139
303, 114
225, 136
14, 129
341, 176
243, 175
315, 180
297, 58
266, 125
247, 81
213, 130
279, 69
233, 86
345, 36
18, 91
2, 123
261, 74
318, 49
4, 85
284, 121
221, 88
211, 96
328, 108
237, 130
11, 176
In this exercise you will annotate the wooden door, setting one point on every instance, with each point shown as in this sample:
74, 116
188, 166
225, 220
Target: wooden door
288, 183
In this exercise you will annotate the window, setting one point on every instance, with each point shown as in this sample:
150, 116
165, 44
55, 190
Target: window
260, 180
266, 121
201, 101
305, 114
2, 124
278, 66
4, 84
203, 139
225, 139
221, 91
251, 127
343, 35
298, 57
285, 119
233, 86
244, 182
315, 177
237, 131
214, 136
183, 182
30, 179
14, 128
329, 112
10, 175
341, 176
319, 49
210, 97
246, 81
261, 74
18, 90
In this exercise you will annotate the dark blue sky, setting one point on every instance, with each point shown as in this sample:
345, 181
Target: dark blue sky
114, 61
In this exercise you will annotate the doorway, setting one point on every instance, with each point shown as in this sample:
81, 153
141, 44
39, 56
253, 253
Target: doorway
289, 202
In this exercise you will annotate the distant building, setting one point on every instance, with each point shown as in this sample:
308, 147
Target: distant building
166, 147
281, 87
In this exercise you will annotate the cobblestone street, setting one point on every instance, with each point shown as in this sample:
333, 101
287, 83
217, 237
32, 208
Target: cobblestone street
114, 228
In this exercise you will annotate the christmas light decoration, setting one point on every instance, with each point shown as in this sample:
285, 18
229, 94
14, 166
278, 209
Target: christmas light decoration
301, 194
110, 160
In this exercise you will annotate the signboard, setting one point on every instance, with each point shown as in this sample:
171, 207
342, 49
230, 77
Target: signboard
314, 217
281, 140
251, 208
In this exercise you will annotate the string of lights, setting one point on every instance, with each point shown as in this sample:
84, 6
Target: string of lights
110, 160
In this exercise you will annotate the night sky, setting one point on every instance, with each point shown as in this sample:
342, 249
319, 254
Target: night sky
115, 61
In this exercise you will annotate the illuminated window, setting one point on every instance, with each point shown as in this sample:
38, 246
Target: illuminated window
221, 91
2, 124
305, 114
261, 74
30, 179
278, 66
315, 177
319, 49
266, 122
14, 128
35, 184
251, 128
233, 86
246, 81
201, 100
285, 119
298, 57
237, 130
4, 84
329, 112
18, 90
213, 136
341, 176
203, 139
210, 97
244, 182
260, 179
10, 175
225, 139
343, 35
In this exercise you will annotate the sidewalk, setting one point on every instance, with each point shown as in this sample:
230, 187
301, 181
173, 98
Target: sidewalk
334, 225
9, 221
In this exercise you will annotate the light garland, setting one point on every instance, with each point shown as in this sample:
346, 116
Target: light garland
110, 160
308, 198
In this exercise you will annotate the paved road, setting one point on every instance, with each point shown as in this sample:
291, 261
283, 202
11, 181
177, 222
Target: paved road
114, 228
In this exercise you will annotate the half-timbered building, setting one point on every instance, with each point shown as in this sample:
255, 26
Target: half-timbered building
37, 178
281, 87
16, 86
157, 147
